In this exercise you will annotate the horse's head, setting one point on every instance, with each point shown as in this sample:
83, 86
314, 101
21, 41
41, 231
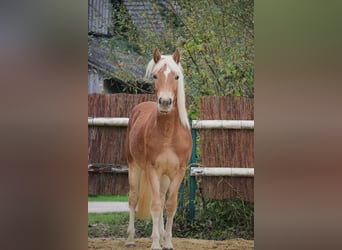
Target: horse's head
167, 74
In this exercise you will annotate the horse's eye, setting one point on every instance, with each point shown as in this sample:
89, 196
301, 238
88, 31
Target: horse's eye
177, 77
154, 76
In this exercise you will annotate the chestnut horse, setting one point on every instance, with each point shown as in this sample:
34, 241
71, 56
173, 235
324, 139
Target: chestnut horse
158, 149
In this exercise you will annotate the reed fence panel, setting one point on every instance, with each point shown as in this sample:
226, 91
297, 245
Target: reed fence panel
218, 148
227, 147
106, 145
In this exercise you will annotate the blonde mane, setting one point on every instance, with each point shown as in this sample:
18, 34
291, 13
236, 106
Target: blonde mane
152, 67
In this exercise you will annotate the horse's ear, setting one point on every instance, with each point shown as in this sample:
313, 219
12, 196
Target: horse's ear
176, 56
156, 55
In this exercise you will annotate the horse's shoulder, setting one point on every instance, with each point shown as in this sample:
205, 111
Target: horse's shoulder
142, 111
144, 107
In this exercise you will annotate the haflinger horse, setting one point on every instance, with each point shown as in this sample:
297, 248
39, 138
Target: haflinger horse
158, 149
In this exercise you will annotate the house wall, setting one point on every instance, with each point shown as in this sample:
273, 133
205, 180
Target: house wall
95, 81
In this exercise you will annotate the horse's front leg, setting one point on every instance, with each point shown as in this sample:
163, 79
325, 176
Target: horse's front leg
156, 207
164, 186
171, 207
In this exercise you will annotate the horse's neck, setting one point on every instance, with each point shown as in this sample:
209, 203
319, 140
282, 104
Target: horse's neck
168, 124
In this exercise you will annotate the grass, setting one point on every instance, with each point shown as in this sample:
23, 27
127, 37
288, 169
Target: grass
106, 218
214, 220
108, 198
114, 225
217, 220
107, 225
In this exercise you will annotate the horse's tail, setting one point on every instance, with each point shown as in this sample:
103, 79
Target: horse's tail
144, 203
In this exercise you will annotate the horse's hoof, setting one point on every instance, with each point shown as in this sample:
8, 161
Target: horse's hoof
129, 244
164, 248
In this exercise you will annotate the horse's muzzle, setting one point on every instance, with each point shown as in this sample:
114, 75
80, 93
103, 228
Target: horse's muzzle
164, 105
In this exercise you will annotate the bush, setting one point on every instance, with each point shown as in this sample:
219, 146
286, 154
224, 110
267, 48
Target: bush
214, 219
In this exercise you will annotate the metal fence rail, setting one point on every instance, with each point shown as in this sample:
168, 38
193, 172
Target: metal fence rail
196, 124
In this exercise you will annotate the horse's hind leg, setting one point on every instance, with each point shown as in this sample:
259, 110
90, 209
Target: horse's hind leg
134, 178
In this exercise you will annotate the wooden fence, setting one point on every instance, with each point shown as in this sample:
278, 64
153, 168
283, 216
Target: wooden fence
106, 145
218, 148
227, 147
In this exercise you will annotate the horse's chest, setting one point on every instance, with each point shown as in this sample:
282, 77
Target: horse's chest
167, 161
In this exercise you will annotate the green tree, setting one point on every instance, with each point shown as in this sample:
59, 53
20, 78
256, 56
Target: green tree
219, 47
216, 38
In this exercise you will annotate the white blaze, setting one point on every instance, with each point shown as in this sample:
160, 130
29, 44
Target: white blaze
165, 95
166, 72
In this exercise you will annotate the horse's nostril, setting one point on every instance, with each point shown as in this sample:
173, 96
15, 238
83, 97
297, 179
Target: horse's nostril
165, 102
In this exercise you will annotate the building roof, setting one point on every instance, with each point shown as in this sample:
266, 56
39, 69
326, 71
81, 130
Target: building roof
98, 57
144, 15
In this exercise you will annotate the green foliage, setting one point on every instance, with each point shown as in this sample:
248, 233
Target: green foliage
220, 220
219, 48
214, 219
122, 27
216, 38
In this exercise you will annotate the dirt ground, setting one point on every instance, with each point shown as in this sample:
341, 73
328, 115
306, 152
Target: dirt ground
178, 244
